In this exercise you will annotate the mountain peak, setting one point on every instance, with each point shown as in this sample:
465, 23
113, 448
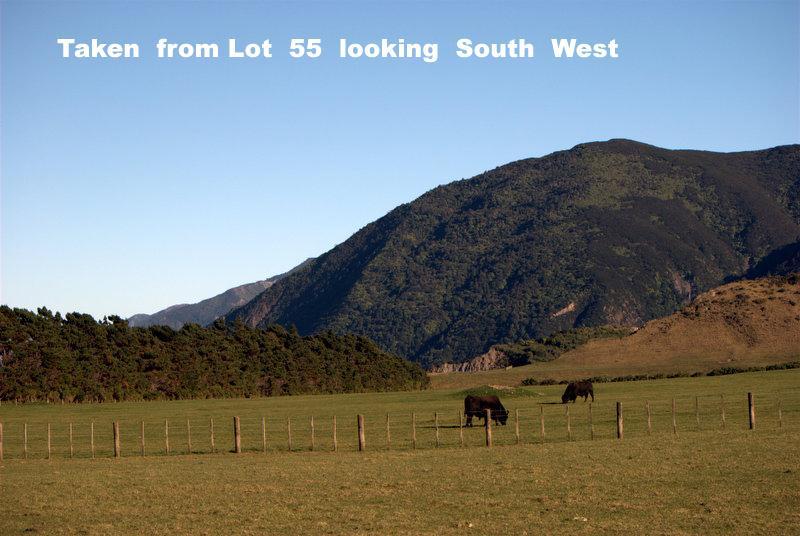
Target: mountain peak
624, 230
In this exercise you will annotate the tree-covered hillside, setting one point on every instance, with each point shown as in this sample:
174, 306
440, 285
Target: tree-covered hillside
75, 358
782, 261
616, 232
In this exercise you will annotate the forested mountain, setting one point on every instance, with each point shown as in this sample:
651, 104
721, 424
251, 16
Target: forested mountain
782, 261
206, 311
614, 232
75, 358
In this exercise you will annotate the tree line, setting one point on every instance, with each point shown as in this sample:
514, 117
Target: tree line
75, 358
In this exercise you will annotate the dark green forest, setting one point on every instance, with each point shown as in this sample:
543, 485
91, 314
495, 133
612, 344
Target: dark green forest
782, 261
615, 232
75, 358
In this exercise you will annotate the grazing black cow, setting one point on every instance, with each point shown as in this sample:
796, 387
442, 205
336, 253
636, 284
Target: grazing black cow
476, 406
576, 389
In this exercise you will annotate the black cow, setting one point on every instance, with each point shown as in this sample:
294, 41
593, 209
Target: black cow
576, 389
476, 406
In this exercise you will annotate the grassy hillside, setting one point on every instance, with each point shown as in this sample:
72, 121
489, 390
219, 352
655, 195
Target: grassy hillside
742, 324
616, 232
517, 354
708, 481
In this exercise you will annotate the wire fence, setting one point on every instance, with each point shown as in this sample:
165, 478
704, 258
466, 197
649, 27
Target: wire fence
525, 424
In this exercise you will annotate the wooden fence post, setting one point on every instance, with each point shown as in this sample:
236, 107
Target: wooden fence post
71, 449
237, 436
751, 410
48, 441
1, 442
188, 436
264, 433
516, 425
166, 436
649, 420
674, 422
436, 425
335, 443
620, 423
362, 440
697, 411
91, 438
541, 421
313, 434
388, 433
211, 432
591, 422
488, 427
722, 409
461, 427
289, 433
116, 440
141, 436
569, 424
414, 431
780, 420
25, 440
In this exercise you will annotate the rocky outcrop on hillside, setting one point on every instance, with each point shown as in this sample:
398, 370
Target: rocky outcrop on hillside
493, 359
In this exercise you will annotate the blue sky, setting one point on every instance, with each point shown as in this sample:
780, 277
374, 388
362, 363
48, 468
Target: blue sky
130, 185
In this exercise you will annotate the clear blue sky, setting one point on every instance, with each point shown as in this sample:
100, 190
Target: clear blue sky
130, 185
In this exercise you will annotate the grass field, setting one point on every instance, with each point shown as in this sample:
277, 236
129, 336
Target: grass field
531, 402
711, 483
704, 479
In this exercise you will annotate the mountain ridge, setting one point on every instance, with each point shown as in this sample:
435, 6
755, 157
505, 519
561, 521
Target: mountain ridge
206, 311
626, 231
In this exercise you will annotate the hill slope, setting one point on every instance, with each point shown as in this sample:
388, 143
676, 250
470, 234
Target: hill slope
738, 325
206, 311
516, 354
615, 232
745, 323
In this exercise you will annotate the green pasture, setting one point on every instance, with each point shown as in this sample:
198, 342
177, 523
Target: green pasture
704, 479
736, 481
710, 394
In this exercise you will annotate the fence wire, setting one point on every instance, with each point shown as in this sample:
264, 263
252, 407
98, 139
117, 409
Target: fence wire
527, 423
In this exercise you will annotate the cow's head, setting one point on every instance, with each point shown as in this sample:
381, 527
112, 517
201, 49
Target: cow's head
502, 416
564, 398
